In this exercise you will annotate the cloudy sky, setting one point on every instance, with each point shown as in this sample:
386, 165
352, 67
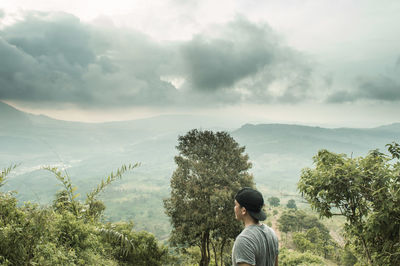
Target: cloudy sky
318, 62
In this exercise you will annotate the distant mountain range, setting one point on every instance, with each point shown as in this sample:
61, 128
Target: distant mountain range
24, 137
90, 151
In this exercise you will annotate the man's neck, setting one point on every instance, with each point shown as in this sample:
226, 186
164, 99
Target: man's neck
249, 221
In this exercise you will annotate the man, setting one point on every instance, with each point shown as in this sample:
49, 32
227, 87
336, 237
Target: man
257, 244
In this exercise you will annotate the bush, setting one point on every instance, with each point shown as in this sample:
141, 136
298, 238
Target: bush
294, 258
69, 233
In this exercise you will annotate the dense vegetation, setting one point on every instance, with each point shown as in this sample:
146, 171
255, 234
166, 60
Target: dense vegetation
364, 190
360, 195
69, 232
305, 239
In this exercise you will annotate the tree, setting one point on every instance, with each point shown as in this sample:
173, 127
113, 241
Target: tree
366, 191
274, 201
297, 220
291, 204
211, 168
316, 241
289, 222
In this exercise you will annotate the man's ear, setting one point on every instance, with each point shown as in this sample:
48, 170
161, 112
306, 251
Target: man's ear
243, 210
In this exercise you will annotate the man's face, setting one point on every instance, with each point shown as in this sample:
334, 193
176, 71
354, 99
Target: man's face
238, 211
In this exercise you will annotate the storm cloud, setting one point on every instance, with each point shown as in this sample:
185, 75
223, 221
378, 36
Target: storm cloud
56, 58
239, 50
384, 87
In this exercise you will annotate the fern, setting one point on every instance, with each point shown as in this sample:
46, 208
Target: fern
66, 181
5, 172
125, 244
111, 178
93, 207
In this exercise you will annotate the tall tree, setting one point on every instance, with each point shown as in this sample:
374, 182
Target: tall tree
366, 191
211, 168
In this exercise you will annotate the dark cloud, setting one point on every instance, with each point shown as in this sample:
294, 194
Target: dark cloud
60, 41
382, 88
249, 58
240, 50
42, 61
55, 58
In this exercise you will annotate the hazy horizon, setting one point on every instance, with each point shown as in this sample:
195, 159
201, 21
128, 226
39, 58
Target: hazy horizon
226, 121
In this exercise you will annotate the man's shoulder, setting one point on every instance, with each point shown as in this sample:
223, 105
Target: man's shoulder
269, 229
258, 231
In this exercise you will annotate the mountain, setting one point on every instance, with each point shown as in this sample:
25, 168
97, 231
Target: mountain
47, 135
279, 152
307, 140
90, 151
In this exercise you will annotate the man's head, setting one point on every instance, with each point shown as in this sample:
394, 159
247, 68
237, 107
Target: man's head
252, 201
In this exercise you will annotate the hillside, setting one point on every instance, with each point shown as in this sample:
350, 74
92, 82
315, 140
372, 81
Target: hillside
89, 151
280, 151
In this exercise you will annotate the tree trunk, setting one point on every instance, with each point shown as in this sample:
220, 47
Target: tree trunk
215, 253
222, 251
205, 260
367, 251
208, 248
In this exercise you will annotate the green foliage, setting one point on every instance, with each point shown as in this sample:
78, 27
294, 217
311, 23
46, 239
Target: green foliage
294, 258
315, 241
66, 233
291, 204
309, 234
394, 149
274, 201
302, 243
5, 172
95, 208
134, 248
348, 258
66, 197
298, 220
188, 256
125, 245
366, 191
30, 234
211, 168
111, 178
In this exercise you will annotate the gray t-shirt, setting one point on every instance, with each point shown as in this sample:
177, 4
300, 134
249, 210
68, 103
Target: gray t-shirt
256, 245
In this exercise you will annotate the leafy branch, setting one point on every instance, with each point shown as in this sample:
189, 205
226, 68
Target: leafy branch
394, 149
5, 172
111, 178
126, 245
93, 208
66, 181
